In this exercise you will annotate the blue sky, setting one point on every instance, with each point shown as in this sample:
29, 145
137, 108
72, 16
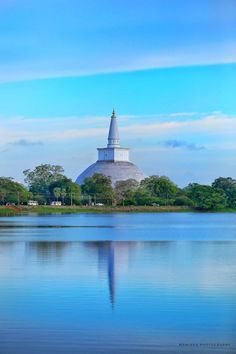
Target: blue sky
168, 67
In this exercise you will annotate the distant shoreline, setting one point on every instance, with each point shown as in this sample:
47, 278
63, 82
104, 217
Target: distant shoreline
47, 210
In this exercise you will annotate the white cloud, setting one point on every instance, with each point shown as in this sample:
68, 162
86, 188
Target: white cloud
217, 125
183, 114
78, 138
53, 67
214, 124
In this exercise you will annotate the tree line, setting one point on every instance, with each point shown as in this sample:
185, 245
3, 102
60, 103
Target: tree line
46, 183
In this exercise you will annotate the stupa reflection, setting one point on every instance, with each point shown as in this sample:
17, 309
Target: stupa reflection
111, 273
113, 258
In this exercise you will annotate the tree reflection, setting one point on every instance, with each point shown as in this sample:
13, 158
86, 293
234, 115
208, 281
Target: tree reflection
46, 251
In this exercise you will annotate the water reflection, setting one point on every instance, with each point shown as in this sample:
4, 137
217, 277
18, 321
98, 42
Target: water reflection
47, 250
112, 257
106, 264
106, 254
208, 266
116, 297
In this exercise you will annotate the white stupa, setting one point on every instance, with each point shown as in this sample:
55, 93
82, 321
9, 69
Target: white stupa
113, 160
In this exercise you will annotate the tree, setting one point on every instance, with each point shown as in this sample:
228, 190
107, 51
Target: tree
143, 197
161, 187
13, 192
124, 190
70, 192
226, 185
205, 197
57, 192
48, 181
73, 194
99, 187
39, 179
63, 195
183, 200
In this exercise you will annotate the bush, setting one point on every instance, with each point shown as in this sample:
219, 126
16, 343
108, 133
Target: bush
206, 197
183, 201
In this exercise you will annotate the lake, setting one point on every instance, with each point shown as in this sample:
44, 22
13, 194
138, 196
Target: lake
118, 283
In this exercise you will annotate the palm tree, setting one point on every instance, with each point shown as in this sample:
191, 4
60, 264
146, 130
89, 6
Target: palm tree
57, 192
63, 194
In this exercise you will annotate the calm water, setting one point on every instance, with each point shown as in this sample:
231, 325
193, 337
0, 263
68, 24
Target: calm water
118, 283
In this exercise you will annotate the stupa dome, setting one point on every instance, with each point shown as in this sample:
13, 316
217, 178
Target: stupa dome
113, 161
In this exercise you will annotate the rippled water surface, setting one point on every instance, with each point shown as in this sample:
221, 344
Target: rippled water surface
118, 283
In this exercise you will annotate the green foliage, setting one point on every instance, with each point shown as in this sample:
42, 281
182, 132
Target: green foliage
206, 197
57, 192
161, 187
183, 200
39, 179
224, 183
65, 189
40, 199
99, 187
73, 194
143, 196
47, 182
124, 191
228, 187
154, 190
12, 192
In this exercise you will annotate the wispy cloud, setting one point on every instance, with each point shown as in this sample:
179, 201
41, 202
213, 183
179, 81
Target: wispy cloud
183, 114
183, 144
26, 143
171, 145
212, 127
37, 70
214, 124
71, 46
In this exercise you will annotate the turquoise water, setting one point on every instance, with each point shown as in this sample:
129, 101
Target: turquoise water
118, 283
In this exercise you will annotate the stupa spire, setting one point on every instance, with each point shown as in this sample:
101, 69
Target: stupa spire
113, 114
113, 136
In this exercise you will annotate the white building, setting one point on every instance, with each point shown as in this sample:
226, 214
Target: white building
33, 203
56, 203
113, 160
